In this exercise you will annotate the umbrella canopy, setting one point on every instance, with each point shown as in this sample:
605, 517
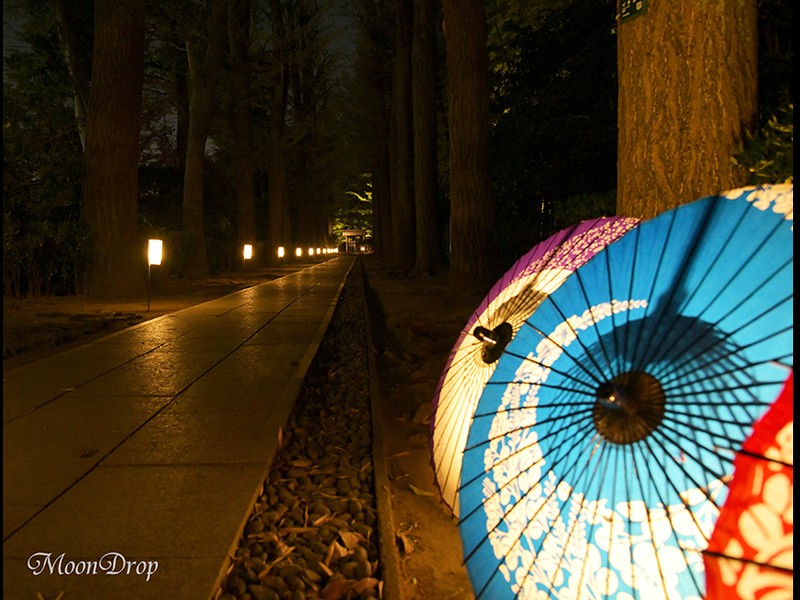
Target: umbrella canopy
498, 317
601, 447
750, 554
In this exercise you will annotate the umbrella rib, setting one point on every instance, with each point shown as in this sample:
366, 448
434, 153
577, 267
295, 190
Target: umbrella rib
695, 442
770, 459
743, 559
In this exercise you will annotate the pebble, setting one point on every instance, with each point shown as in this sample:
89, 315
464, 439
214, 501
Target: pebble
319, 495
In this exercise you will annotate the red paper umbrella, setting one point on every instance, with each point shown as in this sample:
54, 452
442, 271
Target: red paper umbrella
750, 552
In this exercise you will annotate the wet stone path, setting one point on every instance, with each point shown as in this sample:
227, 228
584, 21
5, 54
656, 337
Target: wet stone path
313, 532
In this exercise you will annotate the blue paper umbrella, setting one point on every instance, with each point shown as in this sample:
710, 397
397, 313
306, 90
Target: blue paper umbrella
602, 446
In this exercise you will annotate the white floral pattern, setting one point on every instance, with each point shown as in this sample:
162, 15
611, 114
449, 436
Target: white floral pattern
779, 198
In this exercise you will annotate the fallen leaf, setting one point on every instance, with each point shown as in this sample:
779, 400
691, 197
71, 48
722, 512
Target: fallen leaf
335, 551
419, 491
365, 584
405, 544
351, 539
337, 589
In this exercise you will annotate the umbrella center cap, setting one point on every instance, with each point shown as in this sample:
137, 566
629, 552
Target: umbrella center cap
494, 340
629, 407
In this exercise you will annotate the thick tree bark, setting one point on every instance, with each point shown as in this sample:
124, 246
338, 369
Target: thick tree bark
203, 74
687, 92
403, 219
241, 98
110, 187
471, 212
426, 172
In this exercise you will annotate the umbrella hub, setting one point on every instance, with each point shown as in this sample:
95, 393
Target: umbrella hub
494, 340
629, 407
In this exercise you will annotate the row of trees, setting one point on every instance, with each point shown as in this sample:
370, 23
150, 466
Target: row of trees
212, 124
471, 129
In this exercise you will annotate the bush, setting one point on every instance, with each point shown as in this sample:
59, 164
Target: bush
768, 153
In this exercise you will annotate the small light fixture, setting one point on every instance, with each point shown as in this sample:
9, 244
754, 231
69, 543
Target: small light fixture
311, 252
154, 248
281, 251
154, 251
248, 251
298, 252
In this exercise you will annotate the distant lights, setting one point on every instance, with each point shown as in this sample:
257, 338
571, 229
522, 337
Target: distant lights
281, 251
298, 252
248, 251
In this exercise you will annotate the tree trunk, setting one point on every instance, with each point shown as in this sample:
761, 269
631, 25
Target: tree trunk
383, 241
241, 93
426, 174
403, 219
75, 66
203, 74
279, 226
687, 92
471, 210
110, 186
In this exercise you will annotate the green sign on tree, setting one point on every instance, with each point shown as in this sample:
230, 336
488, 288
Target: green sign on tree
628, 9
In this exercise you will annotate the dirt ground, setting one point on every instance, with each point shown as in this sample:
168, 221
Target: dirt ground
415, 328
421, 322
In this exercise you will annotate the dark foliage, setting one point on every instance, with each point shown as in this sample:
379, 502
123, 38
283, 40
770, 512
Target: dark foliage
554, 133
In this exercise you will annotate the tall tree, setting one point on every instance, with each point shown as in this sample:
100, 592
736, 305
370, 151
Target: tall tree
687, 92
471, 210
205, 61
76, 62
241, 99
426, 160
310, 91
372, 94
110, 186
402, 149
279, 230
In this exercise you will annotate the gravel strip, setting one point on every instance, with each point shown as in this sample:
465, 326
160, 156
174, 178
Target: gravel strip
313, 531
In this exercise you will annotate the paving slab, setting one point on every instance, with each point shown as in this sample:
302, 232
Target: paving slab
130, 464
